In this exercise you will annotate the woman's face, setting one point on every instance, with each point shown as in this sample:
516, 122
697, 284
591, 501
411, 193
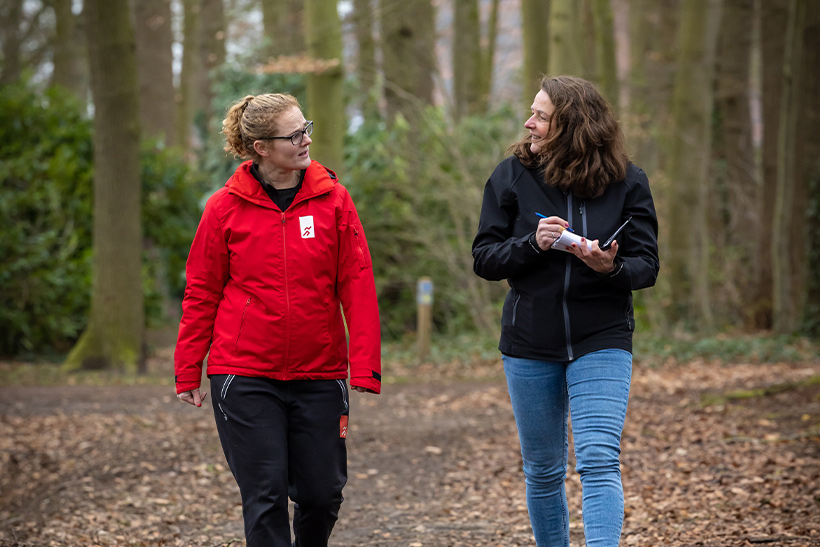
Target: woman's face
281, 153
539, 122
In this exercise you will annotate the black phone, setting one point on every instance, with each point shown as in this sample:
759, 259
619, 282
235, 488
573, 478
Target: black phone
608, 243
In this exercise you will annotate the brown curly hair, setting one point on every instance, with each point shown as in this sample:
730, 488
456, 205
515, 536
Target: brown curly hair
252, 118
585, 149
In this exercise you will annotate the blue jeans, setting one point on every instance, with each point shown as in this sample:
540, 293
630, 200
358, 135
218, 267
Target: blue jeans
596, 389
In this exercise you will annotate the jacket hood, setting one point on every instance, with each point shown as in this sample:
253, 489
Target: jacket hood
318, 180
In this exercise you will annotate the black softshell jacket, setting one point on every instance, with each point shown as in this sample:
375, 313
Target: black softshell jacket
558, 308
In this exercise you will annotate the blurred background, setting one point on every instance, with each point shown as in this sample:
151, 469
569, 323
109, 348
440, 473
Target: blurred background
110, 117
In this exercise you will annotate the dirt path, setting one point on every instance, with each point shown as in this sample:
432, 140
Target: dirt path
706, 461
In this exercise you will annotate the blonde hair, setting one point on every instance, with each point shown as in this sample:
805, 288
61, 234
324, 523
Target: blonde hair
251, 119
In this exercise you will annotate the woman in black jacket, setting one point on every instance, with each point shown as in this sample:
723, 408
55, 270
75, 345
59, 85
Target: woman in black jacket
567, 323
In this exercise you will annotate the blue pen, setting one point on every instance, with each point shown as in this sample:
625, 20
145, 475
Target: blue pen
539, 215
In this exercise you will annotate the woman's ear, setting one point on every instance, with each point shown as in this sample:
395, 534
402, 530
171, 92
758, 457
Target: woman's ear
261, 148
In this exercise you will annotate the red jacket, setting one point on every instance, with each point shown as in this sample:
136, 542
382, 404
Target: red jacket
264, 288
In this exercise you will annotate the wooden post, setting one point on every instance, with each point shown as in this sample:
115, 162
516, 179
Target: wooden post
424, 317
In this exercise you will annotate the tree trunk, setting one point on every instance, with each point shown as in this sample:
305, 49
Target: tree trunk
212, 56
774, 16
408, 46
152, 28
12, 66
784, 270
739, 227
466, 57
68, 68
487, 60
114, 335
689, 162
566, 47
186, 91
605, 50
366, 58
283, 25
325, 93
535, 17
808, 155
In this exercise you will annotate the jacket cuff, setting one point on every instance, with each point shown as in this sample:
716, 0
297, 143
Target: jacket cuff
533, 244
185, 382
368, 382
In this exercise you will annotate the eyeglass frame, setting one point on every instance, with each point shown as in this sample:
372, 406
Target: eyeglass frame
308, 130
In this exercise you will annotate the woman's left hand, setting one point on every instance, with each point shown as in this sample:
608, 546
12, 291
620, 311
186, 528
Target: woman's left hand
601, 261
360, 389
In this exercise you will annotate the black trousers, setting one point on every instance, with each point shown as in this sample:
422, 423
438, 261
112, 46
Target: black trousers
284, 439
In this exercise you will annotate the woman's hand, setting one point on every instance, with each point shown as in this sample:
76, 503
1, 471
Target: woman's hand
549, 229
192, 397
360, 389
601, 261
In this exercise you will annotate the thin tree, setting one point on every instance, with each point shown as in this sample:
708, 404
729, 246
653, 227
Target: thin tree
212, 31
774, 18
187, 104
68, 52
155, 40
114, 336
689, 160
325, 93
408, 58
566, 45
535, 17
283, 27
786, 313
739, 194
808, 155
363, 23
607, 73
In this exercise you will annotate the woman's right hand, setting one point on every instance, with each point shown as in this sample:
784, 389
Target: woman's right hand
192, 397
549, 229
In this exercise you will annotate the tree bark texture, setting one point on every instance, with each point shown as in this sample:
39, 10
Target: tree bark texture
786, 316
408, 51
186, 96
325, 93
774, 17
283, 25
739, 225
689, 162
114, 335
366, 69
152, 28
809, 163
212, 30
566, 47
607, 76
535, 18
466, 56
68, 51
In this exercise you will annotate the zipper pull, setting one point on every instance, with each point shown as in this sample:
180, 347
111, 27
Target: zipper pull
283, 218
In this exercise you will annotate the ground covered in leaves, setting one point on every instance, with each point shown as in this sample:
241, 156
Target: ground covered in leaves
713, 455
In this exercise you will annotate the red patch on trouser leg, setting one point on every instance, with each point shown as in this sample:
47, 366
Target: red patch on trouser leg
343, 427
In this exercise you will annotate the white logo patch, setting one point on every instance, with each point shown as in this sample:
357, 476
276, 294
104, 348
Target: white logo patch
306, 227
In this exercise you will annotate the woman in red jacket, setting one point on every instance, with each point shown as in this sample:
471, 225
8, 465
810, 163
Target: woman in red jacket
279, 253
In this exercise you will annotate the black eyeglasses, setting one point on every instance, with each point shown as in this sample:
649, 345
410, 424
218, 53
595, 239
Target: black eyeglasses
296, 138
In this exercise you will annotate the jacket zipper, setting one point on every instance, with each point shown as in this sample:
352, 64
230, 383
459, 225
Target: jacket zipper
241, 323
570, 355
287, 296
515, 306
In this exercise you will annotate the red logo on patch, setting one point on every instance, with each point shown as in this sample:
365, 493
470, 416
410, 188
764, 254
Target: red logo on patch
343, 427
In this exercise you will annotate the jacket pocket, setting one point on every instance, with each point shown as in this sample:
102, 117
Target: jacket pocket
360, 246
516, 300
241, 324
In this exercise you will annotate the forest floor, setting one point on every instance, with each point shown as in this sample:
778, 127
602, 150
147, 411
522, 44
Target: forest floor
714, 454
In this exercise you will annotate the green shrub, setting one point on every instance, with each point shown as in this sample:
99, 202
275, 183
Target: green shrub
46, 173
419, 195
